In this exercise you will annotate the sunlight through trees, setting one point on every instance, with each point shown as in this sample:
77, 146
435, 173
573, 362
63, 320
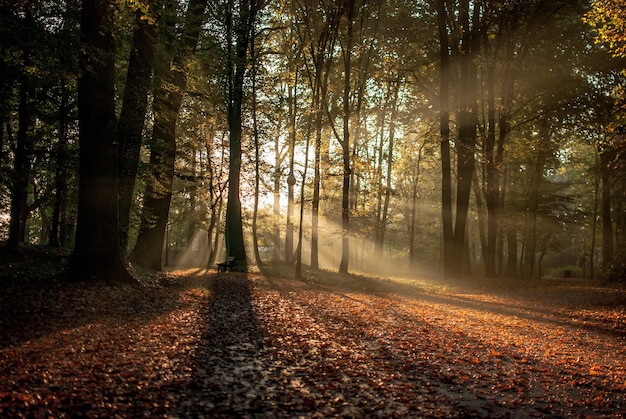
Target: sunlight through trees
466, 138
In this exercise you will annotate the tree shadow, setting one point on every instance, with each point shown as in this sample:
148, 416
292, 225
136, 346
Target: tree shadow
445, 364
229, 364
557, 312
33, 310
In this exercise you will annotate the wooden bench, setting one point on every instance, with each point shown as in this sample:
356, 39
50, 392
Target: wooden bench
227, 265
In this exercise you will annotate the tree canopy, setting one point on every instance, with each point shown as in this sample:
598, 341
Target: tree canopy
461, 137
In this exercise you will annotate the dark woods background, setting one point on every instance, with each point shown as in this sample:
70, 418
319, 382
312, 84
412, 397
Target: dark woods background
464, 137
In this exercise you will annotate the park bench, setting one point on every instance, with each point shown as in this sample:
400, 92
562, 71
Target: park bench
227, 265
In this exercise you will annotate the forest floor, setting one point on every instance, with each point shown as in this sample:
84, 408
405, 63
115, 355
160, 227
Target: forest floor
253, 345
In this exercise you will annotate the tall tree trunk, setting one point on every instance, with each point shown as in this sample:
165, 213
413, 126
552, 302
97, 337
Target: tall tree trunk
510, 230
317, 180
193, 218
345, 142
467, 130
257, 158
168, 97
530, 251
291, 178
392, 132
236, 73
491, 186
378, 234
298, 273
57, 228
606, 160
97, 254
134, 108
323, 62
414, 196
21, 165
480, 211
444, 129
594, 221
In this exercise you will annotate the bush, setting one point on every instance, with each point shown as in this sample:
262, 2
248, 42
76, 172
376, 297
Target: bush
617, 271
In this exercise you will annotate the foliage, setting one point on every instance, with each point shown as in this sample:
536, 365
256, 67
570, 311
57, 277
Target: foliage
607, 16
537, 58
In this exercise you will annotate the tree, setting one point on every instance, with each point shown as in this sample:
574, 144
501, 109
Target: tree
24, 143
239, 30
607, 16
171, 80
444, 124
97, 254
465, 50
319, 36
135, 106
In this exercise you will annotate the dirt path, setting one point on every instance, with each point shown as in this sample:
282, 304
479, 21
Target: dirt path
232, 345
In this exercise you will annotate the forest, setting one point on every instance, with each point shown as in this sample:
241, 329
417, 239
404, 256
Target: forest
424, 203
466, 138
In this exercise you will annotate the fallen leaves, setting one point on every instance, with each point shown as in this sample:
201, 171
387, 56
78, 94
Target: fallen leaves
234, 345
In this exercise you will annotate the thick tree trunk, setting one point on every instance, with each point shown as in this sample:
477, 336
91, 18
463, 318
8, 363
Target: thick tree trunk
168, 97
151, 237
237, 67
133, 114
97, 254
467, 133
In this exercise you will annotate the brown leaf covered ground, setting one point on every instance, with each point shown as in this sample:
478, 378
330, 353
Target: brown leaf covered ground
236, 345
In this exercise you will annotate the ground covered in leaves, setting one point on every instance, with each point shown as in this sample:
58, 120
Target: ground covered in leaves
252, 345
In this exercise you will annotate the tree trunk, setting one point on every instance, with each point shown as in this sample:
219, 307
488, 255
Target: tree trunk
57, 228
491, 186
345, 142
480, 211
511, 249
154, 217
236, 72
392, 133
467, 131
291, 178
168, 97
594, 222
414, 195
606, 159
133, 114
378, 233
97, 254
22, 166
317, 179
257, 158
444, 129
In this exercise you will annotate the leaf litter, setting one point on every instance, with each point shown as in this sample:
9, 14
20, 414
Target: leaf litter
237, 345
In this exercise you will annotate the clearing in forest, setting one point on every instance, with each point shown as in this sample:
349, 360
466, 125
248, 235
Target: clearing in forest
250, 345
